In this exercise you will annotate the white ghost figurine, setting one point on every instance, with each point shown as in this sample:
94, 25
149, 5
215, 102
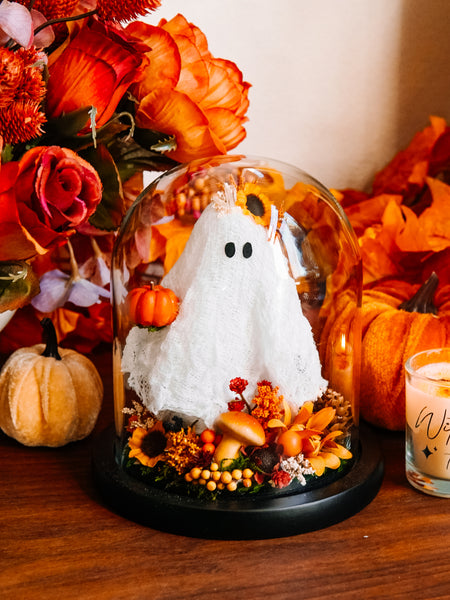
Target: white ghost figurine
240, 316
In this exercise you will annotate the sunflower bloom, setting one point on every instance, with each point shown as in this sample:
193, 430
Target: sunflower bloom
148, 446
254, 203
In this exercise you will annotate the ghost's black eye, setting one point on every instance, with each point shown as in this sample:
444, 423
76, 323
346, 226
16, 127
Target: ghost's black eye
247, 250
230, 249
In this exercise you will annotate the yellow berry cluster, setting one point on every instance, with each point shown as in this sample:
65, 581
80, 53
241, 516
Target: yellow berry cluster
214, 479
193, 198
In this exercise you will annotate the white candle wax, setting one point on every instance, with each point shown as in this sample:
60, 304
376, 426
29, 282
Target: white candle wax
428, 419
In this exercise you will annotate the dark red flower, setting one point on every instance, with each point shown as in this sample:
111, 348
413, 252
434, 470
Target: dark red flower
56, 190
264, 382
238, 385
236, 405
280, 479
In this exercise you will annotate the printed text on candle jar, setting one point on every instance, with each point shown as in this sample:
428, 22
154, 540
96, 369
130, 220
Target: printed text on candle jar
435, 425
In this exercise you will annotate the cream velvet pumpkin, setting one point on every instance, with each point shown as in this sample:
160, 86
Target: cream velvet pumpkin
49, 396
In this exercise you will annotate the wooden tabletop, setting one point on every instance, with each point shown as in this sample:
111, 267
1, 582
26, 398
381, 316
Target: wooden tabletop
58, 540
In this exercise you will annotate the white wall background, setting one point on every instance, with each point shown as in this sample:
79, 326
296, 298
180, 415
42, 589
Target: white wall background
338, 86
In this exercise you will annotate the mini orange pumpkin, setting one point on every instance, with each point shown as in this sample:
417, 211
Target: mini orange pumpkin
153, 305
396, 323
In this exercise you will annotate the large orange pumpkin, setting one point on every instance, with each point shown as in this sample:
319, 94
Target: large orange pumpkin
153, 305
398, 320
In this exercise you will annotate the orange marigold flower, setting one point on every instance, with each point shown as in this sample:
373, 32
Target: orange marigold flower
125, 10
21, 121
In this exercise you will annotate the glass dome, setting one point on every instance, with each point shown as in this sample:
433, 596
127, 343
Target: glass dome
236, 294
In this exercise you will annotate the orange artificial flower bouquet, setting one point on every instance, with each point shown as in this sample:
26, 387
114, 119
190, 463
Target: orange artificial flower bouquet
90, 97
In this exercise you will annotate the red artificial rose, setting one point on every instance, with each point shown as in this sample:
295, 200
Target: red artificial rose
187, 93
95, 68
236, 405
280, 478
238, 385
15, 244
56, 190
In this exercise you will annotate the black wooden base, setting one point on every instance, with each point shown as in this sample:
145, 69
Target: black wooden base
247, 517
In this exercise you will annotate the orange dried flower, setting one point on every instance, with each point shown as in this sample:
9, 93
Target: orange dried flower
21, 92
52, 9
20, 78
21, 121
184, 449
11, 67
125, 10
268, 404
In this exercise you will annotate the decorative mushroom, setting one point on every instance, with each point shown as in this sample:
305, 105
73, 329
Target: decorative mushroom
239, 429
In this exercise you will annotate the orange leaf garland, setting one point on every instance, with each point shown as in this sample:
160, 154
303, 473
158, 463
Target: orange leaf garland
410, 166
435, 220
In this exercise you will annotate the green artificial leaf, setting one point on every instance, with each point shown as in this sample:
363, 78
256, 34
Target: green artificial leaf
18, 284
109, 213
155, 140
130, 157
165, 144
7, 154
92, 115
70, 124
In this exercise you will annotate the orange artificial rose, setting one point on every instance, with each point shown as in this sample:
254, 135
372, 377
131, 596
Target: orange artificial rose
95, 68
55, 191
187, 93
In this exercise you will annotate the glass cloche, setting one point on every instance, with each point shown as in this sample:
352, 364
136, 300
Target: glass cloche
236, 294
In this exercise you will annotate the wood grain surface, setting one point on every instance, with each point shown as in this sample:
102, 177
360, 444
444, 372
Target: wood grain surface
57, 540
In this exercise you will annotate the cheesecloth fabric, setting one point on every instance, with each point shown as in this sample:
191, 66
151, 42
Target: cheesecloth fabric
240, 316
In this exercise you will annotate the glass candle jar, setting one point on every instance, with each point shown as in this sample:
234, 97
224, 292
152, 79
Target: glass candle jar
236, 299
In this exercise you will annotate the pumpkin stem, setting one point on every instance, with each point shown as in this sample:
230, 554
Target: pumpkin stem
51, 349
422, 301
